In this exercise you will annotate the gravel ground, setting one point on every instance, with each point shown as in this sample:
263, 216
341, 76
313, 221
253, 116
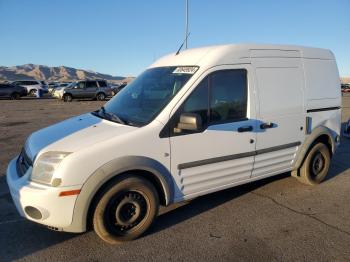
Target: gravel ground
276, 219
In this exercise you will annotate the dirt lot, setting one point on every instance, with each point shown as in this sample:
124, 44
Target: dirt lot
277, 219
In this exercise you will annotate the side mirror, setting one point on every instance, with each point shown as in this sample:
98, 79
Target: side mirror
189, 122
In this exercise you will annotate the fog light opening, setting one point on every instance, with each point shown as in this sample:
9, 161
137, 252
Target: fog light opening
33, 212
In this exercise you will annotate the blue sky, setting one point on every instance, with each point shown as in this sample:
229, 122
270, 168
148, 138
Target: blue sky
121, 37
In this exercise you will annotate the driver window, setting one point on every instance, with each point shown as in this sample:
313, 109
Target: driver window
81, 85
220, 98
196, 103
228, 96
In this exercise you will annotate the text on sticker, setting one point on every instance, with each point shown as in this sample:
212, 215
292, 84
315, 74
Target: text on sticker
185, 70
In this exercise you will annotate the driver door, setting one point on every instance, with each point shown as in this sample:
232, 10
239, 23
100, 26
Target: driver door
78, 90
221, 152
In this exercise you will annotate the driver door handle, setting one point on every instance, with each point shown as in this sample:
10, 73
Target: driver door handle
245, 129
267, 125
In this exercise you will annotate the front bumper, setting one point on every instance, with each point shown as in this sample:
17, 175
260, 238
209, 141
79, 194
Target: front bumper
55, 211
57, 94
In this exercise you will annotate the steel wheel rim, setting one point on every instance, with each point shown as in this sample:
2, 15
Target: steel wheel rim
318, 164
125, 212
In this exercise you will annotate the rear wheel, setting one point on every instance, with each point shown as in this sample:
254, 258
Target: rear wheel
15, 96
125, 210
316, 165
67, 98
32, 92
101, 96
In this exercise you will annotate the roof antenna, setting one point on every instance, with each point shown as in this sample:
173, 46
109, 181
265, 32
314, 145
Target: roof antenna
178, 51
186, 28
186, 23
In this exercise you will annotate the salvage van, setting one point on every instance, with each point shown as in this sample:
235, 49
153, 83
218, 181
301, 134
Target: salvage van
193, 123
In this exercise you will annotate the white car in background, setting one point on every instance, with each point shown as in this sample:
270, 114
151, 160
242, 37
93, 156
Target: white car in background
59, 91
32, 86
58, 86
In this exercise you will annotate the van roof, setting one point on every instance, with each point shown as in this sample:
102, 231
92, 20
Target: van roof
226, 54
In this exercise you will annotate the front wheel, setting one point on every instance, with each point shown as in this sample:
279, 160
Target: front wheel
15, 96
67, 98
125, 210
101, 96
316, 165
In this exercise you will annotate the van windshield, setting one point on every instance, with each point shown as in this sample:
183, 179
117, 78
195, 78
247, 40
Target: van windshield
143, 99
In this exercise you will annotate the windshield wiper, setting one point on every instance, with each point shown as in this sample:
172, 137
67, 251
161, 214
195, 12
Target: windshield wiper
112, 116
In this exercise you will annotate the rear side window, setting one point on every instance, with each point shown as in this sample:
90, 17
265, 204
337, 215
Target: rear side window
91, 84
102, 83
29, 83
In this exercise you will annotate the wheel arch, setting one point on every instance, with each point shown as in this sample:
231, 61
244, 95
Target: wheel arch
14, 93
147, 168
67, 94
320, 134
100, 92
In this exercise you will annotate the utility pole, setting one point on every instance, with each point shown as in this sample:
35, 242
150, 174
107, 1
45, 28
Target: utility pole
186, 26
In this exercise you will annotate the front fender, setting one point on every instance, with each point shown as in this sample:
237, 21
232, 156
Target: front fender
111, 170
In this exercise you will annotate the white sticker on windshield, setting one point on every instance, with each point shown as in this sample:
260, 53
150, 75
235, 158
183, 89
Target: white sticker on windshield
185, 70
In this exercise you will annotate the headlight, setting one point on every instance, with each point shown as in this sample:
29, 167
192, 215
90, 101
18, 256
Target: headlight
45, 166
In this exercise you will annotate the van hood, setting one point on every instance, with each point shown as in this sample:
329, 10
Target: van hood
74, 134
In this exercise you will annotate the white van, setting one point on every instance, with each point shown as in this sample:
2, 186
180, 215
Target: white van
200, 121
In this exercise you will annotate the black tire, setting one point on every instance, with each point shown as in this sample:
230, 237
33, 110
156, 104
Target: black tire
15, 96
125, 210
67, 98
101, 96
32, 92
316, 165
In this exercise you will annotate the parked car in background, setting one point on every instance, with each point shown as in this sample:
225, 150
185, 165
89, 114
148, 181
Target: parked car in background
52, 86
345, 88
346, 132
117, 89
57, 86
12, 91
59, 91
93, 89
32, 86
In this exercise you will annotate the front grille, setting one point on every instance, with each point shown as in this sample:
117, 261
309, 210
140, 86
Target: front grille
23, 163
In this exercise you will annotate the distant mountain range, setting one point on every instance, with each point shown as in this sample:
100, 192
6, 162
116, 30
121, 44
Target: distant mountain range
345, 80
64, 73
47, 73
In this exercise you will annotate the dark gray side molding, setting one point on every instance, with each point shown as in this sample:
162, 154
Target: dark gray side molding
111, 170
323, 109
236, 156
